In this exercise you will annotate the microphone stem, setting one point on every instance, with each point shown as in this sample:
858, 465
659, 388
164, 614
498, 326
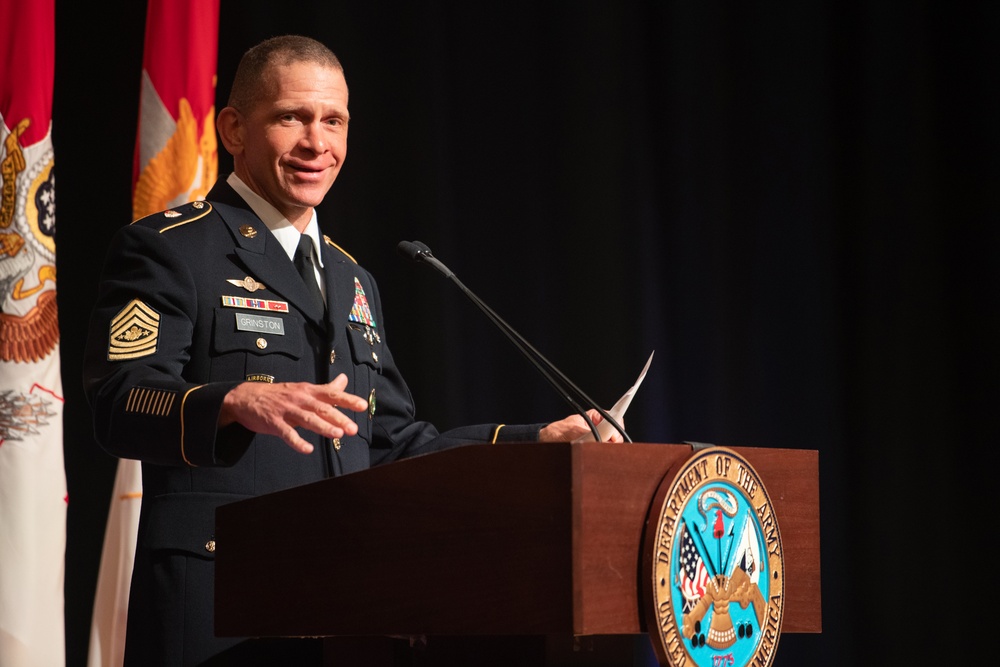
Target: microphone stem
543, 365
564, 386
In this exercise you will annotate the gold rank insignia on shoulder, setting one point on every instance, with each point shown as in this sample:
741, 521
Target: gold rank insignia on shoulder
134, 332
180, 216
248, 283
248, 231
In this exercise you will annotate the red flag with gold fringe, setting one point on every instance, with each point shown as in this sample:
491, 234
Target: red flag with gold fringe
176, 155
176, 161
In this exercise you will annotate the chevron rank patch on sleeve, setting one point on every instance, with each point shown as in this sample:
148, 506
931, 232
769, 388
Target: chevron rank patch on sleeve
134, 332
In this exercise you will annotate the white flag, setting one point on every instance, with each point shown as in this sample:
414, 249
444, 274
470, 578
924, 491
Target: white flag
32, 475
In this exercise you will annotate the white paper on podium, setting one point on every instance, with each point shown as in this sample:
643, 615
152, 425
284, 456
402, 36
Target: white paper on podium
605, 429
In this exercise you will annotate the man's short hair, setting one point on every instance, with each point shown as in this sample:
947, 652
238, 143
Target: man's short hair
252, 75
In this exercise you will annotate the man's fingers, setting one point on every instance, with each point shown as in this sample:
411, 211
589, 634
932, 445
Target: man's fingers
327, 421
333, 394
280, 408
295, 441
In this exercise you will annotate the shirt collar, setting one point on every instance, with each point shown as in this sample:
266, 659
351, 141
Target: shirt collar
283, 230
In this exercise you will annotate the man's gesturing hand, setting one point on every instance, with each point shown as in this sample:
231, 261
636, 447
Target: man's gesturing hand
277, 409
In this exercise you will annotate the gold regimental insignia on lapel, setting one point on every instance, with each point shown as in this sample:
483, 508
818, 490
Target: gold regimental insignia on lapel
134, 332
171, 218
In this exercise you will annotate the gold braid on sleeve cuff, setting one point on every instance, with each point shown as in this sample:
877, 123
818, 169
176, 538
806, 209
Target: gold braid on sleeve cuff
496, 434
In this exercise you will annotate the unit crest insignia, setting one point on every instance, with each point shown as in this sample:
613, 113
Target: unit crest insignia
713, 565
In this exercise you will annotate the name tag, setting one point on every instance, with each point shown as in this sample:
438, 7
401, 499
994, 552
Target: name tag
260, 324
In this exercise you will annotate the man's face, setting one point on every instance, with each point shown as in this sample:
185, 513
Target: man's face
295, 142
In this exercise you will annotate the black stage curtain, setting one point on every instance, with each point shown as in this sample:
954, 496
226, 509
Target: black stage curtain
794, 205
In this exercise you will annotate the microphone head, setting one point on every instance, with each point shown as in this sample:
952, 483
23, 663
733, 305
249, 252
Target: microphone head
419, 252
411, 250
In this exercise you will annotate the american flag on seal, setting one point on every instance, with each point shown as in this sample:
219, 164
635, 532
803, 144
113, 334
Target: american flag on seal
692, 574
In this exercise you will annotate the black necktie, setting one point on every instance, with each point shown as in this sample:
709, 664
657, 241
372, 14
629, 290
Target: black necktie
304, 262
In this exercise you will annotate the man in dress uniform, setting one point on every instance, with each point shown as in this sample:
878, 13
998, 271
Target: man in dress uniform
237, 351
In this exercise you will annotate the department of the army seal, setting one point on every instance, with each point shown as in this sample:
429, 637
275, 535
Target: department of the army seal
713, 565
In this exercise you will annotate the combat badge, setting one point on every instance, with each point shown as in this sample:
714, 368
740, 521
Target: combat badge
134, 332
713, 565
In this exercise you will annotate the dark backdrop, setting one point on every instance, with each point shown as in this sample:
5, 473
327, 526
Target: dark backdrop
794, 206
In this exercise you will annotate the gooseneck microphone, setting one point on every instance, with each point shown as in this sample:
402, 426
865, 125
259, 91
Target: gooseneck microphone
572, 394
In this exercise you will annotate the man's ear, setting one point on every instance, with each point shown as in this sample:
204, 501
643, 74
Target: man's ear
229, 124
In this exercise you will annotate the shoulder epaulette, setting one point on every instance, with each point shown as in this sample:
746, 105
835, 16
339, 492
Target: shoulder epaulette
177, 216
330, 242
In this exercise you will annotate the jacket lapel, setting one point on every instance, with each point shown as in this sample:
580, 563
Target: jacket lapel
261, 253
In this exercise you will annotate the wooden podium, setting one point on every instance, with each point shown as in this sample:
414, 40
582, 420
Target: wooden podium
505, 540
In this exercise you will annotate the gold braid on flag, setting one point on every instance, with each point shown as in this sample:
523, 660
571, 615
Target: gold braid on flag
174, 170
11, 165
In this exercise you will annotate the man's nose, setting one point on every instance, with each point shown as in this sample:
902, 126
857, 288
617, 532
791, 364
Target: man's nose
316, 138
